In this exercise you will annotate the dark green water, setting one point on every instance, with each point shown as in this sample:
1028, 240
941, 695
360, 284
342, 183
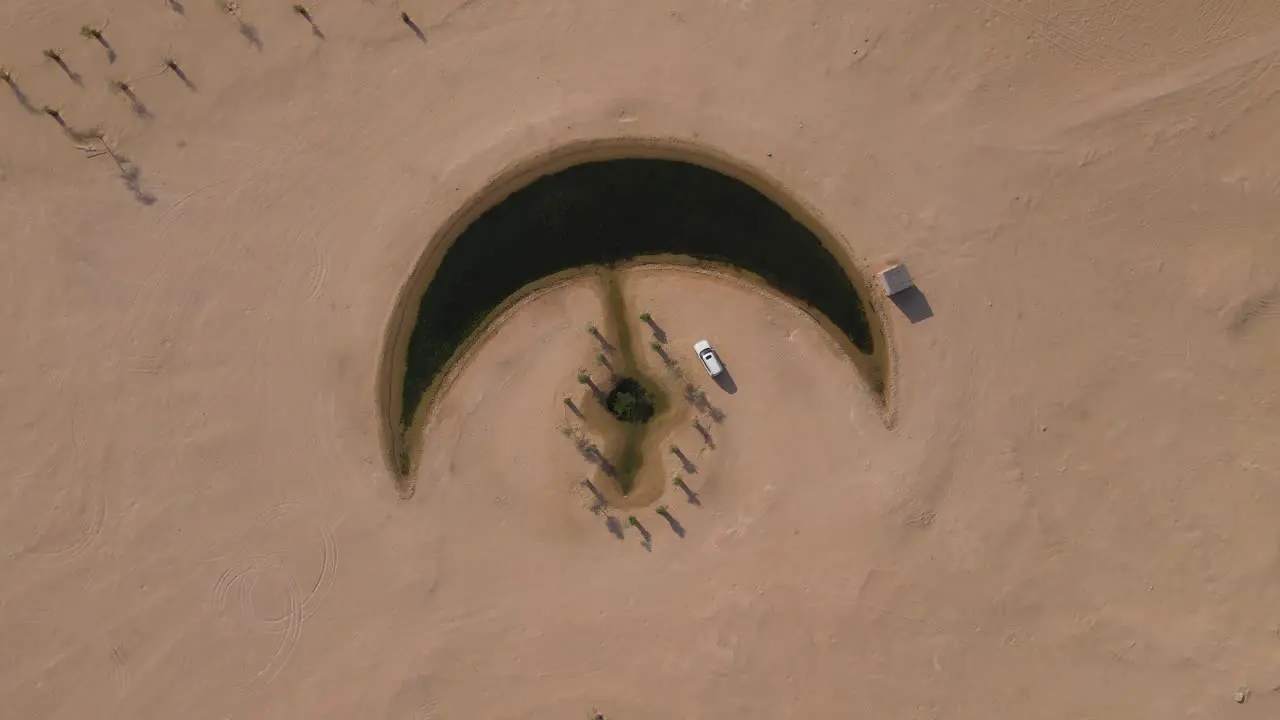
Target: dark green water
606, 212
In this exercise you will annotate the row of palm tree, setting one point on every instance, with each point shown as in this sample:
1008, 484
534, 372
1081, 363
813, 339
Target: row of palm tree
168, 64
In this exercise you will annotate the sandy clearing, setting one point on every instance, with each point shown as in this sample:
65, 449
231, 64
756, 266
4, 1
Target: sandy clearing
1073, 515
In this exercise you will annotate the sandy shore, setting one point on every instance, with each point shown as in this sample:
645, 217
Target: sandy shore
1073, 514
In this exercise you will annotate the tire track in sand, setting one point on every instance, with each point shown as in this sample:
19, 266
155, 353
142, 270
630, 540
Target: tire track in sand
317, 273
78, 513
233, 593
149, 313
1110, 33
240, 582
413, 701
146, 338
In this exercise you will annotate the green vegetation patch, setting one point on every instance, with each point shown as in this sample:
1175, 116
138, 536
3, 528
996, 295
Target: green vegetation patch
607, 212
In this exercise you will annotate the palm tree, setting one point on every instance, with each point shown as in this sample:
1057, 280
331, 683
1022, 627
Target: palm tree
662, 510
646, 318
632, 521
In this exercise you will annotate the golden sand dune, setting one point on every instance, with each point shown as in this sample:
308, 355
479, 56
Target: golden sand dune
1071, 514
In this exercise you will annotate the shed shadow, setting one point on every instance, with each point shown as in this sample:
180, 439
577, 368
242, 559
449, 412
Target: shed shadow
913, 303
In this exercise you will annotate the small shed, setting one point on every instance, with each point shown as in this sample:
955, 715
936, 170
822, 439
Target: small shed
894, 279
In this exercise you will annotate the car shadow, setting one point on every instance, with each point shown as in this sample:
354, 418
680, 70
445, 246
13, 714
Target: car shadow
725, 380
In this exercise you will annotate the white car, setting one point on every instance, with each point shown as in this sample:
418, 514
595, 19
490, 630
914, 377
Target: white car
709, 358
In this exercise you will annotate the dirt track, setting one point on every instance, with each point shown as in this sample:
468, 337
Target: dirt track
1074, 515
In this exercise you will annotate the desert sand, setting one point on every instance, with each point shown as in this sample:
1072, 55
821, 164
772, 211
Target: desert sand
1070, 511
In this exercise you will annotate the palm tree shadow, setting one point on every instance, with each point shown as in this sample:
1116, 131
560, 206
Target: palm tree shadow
706, 435
692, 496
614, 526
111, 52
676, 527
71, 74
131, 174
646, 537
606, 467
573, 408
658, 333
177, 7
250, 34
600, 503
417, 31
182, 75
135, 103
604, 343
685, 462
20, 96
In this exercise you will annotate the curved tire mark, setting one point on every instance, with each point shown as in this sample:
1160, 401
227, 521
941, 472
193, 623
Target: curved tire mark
89, 498
413, 701
239, 583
